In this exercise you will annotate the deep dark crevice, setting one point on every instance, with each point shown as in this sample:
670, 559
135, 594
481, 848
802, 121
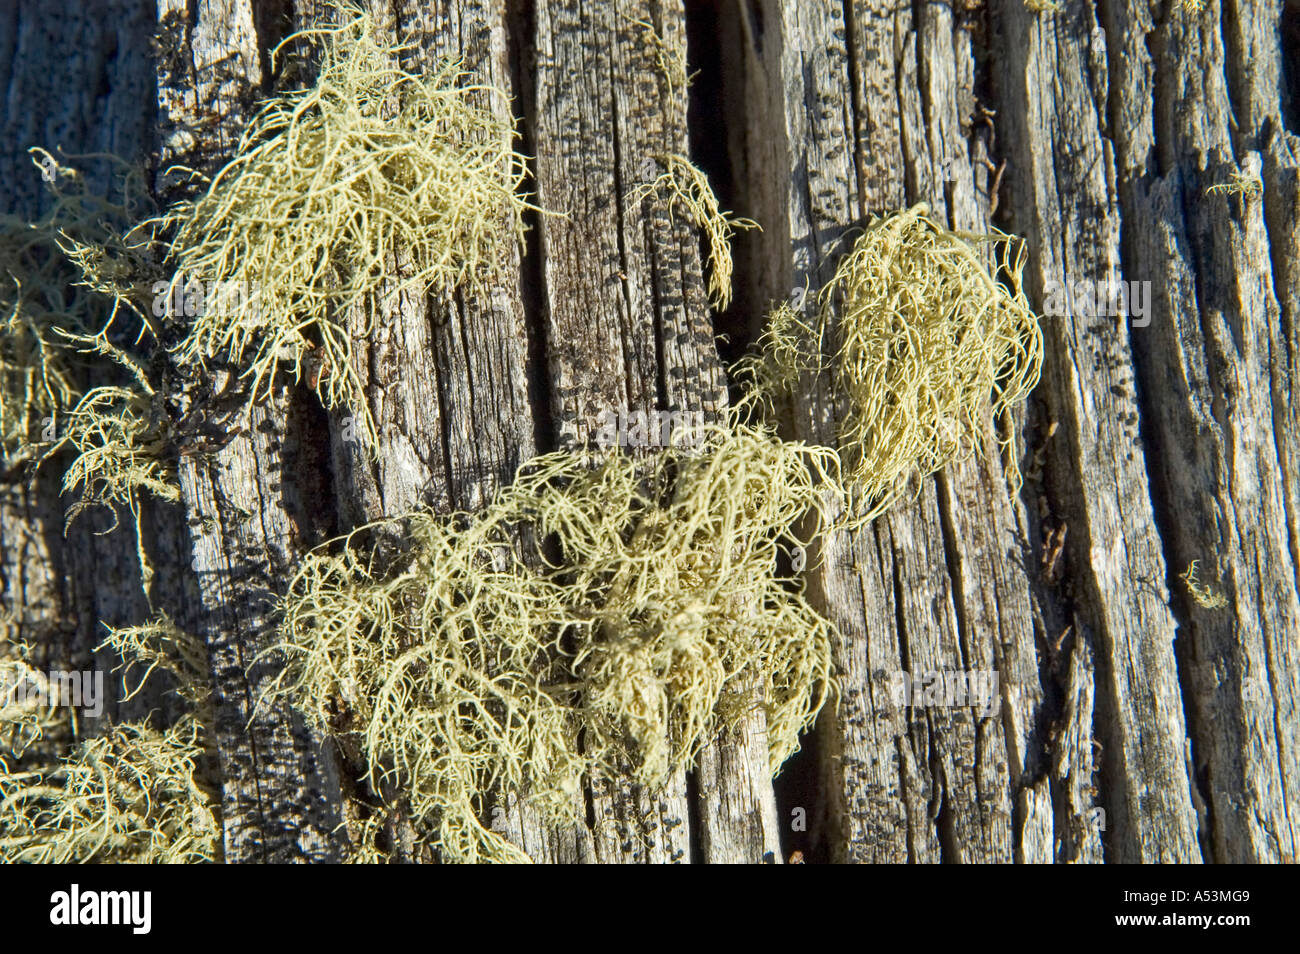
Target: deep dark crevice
910, 186
521, 40
1248, 137
1119, 841
1065, 610
1164, 510
1277, 224
901, 751
952, 560
272, 22
1116, 68
945, 823
1164, 514
588, 798
448, 497
921, 79
856, 104
752, 11
475, 472
521, 48
717, 109
1051, 500
306, 475
891, 559
706, 113
695, 848
1244, 126
620, 227
1032, 757
1146, 369
707, 137
800, 786
706, 140
709, 97
1289, 28
651, 228
369, 462
978, 24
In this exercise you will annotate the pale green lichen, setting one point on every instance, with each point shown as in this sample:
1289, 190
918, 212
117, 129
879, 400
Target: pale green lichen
1203, 594
371, 184
670, 58
603, 612
131, 794
45, 299
1247, 184
921, 337
685, 189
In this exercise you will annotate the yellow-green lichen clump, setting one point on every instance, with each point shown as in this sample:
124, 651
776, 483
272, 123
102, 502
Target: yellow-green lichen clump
130, 795
47, 308
372, 183
127, 793
921, 335
640, 618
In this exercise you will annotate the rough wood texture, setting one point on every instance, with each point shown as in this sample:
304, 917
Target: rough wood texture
940, 584
628, 330
1133, 724
1097, 474
280, 792
447, 379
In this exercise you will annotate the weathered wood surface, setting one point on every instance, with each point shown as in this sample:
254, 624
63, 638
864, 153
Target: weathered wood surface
1133, 724
1129, 472
281, 798
628, 330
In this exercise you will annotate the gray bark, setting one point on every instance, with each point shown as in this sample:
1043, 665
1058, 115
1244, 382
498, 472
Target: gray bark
1133, 723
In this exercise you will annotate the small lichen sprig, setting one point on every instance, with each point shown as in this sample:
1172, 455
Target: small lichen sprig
46, 297
159, 645
1203, 594
685, 189
670, 58
372, 183
1247, 184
